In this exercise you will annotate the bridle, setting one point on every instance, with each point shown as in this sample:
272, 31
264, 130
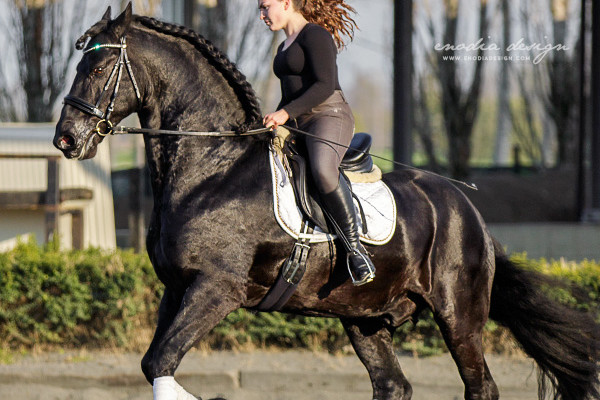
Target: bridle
104, 126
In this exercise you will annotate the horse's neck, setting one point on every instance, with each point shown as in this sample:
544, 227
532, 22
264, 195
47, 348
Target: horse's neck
177, 107
195, 97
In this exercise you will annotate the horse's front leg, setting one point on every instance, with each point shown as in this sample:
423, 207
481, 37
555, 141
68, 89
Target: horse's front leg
205, 303
169, 305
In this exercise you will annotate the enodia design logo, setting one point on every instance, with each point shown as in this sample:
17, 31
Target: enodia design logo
516, 51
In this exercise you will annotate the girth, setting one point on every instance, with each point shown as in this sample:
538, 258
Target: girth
290, 275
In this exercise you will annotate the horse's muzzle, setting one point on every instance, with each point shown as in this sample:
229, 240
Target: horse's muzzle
67, 139
65, 142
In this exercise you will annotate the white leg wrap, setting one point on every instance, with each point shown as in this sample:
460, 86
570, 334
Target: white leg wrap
166, 388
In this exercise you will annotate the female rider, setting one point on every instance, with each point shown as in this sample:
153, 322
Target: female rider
306, 65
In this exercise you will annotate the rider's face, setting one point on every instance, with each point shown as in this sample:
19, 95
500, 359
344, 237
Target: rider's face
274, 13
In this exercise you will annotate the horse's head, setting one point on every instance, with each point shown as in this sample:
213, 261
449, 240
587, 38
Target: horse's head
104, 91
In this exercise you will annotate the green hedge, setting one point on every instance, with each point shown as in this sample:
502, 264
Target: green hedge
73, 298
95, 298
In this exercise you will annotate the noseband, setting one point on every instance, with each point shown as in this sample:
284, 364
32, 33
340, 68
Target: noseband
117, 71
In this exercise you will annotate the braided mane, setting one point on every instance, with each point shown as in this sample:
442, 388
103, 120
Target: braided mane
220, 61
214, 56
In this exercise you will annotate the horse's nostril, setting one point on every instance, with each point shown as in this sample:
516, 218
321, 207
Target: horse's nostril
66, 142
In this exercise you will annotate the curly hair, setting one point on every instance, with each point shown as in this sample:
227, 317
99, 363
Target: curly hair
333, 15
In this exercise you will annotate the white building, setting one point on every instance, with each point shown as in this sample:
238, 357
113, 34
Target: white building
85, 208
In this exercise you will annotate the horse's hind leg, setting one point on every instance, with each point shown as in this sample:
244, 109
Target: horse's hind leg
461, 317
465, 345
372, 341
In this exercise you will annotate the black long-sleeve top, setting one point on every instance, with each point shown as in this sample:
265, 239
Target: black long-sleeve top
307, 70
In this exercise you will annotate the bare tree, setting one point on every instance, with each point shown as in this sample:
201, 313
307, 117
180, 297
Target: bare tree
503, 120
42, 33
460, 100
425, 113
563, 75
524, 117
458, 83
548, 87
9, 110
422, 123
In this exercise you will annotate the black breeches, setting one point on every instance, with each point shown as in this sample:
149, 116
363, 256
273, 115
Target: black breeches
332, 121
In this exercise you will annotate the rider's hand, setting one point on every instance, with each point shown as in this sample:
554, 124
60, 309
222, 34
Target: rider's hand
276, 118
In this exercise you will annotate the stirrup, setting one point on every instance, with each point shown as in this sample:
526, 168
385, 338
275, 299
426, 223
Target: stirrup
368, 262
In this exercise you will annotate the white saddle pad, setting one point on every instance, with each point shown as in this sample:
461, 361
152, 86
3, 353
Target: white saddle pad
376, 199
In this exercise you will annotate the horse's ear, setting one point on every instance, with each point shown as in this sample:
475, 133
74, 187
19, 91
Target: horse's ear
120, 25
106, 15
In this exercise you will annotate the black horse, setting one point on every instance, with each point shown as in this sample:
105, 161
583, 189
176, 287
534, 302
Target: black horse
215, 244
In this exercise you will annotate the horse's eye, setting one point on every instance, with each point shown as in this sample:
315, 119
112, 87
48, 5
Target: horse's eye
98, 70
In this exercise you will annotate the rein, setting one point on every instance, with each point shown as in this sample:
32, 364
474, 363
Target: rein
126, 130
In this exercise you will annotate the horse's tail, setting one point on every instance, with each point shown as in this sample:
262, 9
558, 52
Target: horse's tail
564, 343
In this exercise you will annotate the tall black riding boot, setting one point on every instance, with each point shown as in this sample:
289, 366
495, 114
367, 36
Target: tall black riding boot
339, 208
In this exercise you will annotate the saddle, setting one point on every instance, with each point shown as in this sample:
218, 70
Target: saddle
357, 160
293, 171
